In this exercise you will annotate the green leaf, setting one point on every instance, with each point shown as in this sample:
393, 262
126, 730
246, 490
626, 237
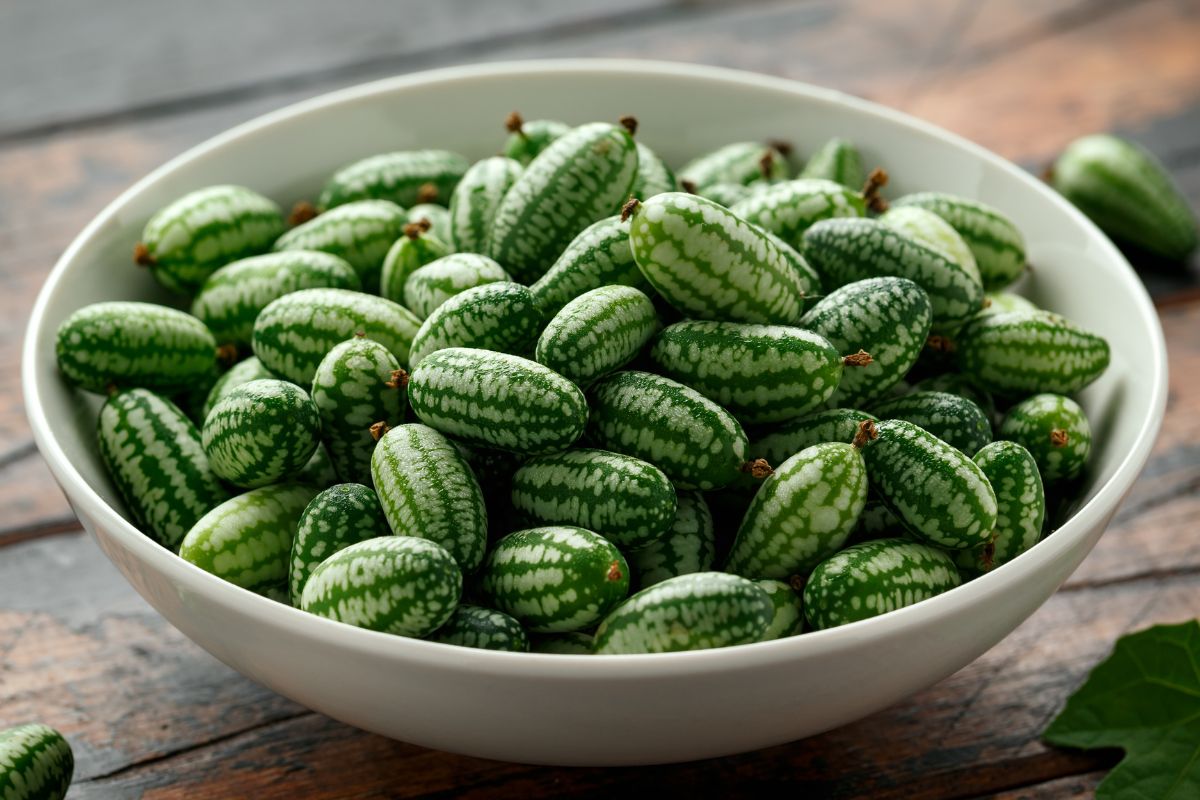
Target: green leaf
1145, 699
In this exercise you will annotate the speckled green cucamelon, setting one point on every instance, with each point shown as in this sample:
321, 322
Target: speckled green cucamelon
526, 140
393, 584
1022, 352
1055, 430
572, 643
710, 264
318, 471
127, 344
728, 194
831, 425
1021, 504
952, 418
247, 540
837, 160
338, 517
295, 332
154, 456
653, 176
497, 400
596, 333
961, 385
692, 612
433, 284
1000, 302
433, 218
359, 233
206, 229
475, 200
789, 209
739, 162
698, 444
482, 628
929, 229
875, 577
500, 316
427, 490
246, 370
260, 432
789, 610
36, 763
581, 177
599, 256
405, 178
358, 384
410, 252
554, 579
688, 546
997, 243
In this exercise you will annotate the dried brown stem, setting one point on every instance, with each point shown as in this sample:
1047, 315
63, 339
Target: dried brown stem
398, 380
141, 255
427, 193
629, 207
757, 469
379, 430
875, 181
860, 359
302, 212
514, 124
1059, 438
866, 432
629, 123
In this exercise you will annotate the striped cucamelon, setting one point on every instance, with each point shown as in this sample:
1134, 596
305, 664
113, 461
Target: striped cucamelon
497, 400
888, 318
581, 177
475, 200
698, 444
433, 218
154, 456
688, 546
939, 493
338, 517
1023, 352
247, 540
596, 333
625, 500
789, 209
759, 373
357, 385
803, 513
875, 577
599, 256
997, 243
183, 243
393, 584
955, 420
36, 763
428, 491
1055, 430
831, 425
728, 194
837, 160
128, 344
788, 619
526, 140
692, 612
929, 229
499, 316
483, 628
739, 162
1021, 504
710, 264
554, 579
877, 521
260, 432
653, 176
1127, 192
295, 332
433, 284
360, 233
961, 385
406, 178
410, 252
563, 644
246, 370
1000, 302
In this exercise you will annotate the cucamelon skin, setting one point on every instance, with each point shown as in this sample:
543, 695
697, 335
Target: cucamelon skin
295, 332
563, 644
393, 584
581, 177
318, 471
433, 218
837, 160
430, 286
954, 419
154, 456
1023, 352
36, 763
739, 162
336, 518
790, 208
688, 546
246, 370
260, 432
186, 241
232, 297
358, 384
692, 612
475, 200
128, 344
710, 264
939, 493
1055, 430
888, 317
482, 628
500, 316
698, 444
428, 491
625, 500
958, 384
788, 619
930, 229
247, 540
1021, 504
410, 252
999, 302
997, 243
526, 140
727, 194
831, 425
497, 400
360, 233
554, 579
653, 176
405, 178
599, 256
596, 333
875, 577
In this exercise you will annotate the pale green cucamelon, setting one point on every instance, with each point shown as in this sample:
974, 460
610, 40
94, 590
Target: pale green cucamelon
997, 243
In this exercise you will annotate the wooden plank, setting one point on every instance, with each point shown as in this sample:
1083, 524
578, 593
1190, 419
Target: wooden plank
1076, 787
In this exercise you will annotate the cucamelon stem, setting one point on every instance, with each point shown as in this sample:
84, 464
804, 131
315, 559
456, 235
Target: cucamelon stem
427, 193
767, 163
614, 571
875, 181
629, 123
302, 212
379, 430
688, 186
1059, 438
860, 359
940, 344
866, 432
142, 257
757, 468
513, 123
630, 206
399, 379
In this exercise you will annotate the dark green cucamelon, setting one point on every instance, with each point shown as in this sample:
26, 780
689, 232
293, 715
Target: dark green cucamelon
952, 418
596, 333
554, 579
154, 455
260, 432
433, 284
875, 577
134, 345
526, 140
475, 200
500, 316
739, 162
360, 233
789, 209
692, 612
831, 425
688, 546
246, 370
338, 517
789, 610
1021, 504
482, 628
433, 218
318, 472
961, 385
410, 252
497, 400
562, 644
1055, 430
599, 256
837, 160
405, 178
183, 243
997, 243
36, 763
653, 176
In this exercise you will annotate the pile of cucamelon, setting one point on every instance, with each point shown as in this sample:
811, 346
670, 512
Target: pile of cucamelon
567, 400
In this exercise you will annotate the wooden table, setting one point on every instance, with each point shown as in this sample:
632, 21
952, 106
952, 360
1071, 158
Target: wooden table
91, 100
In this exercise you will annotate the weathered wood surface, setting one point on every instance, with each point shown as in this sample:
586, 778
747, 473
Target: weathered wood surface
88, 109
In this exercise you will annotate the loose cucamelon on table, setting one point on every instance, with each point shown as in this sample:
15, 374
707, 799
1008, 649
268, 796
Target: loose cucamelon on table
36, 763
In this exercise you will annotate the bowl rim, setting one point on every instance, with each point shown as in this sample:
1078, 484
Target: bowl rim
566, 667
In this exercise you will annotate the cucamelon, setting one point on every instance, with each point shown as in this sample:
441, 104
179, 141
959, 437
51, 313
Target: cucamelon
482, 628
526, 140
952, 418
599, 256
788, 619
246, 370
336, 518
596, 333
36, 763
1055, 430
564, 644
831, 425
837, 160
997, 244
1021, 504
790, 208
433, 284
739, 162
1023, 352
688, 546
360, 233
410, 252
433, 218
930, 229
260, 432
405, 178
653, 176
475, 200
499, 316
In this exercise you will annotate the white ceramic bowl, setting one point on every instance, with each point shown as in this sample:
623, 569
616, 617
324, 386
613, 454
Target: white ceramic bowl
617, 709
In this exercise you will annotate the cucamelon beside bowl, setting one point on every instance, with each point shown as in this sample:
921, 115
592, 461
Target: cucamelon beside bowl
614, 709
